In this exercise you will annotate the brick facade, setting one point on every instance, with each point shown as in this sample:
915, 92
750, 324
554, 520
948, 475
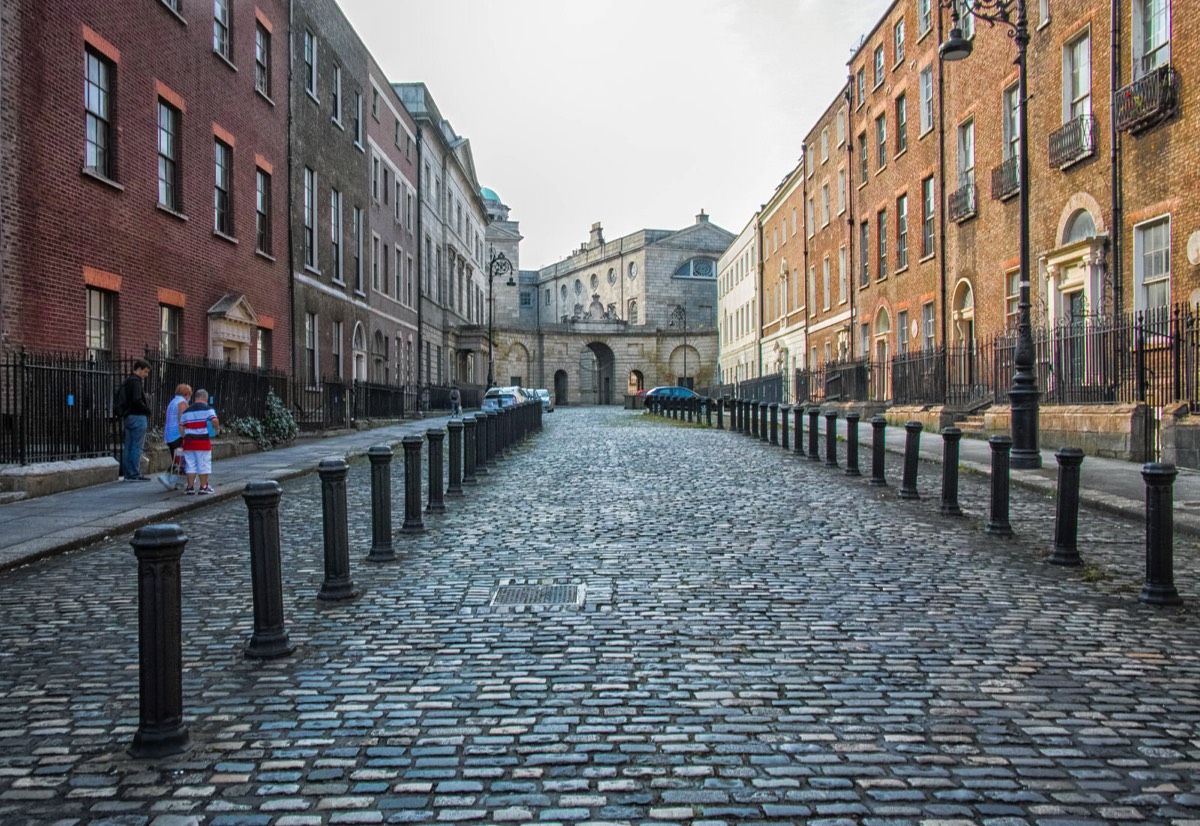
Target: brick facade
781, 268
68, 228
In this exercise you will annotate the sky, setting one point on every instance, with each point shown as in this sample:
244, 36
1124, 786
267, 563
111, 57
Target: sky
633, 113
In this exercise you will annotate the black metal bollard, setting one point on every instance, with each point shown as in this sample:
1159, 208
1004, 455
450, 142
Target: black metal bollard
492, 444
480, 444
1159, 588
413, 522
998, 524
762, 421
454, 487
773, 412
382, 549
852, 419
270, 638
754, 406
161, 730
912, 443
878, 446
748, 418
814, 452
831, 438
784, 410
720, 403
708, 411
1066, 508
951, 436
798, 419
437, 438
690, 409
470, 443
337, 584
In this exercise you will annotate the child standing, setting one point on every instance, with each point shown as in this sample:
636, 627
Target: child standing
199, 424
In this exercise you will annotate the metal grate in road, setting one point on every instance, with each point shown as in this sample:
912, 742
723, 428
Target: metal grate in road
538, 595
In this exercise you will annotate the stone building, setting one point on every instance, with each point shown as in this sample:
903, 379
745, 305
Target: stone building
738, 348
143, 191
619, 316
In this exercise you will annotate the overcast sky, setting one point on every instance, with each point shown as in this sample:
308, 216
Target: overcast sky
634, 113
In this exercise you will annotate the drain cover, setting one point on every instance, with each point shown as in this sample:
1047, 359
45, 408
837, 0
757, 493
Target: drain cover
538, 595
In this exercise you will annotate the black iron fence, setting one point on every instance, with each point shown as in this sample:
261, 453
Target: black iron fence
768, 389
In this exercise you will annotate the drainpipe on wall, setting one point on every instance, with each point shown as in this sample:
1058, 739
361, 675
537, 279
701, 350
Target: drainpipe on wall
942, 201
1118, 217
291, 256
421, 263
848, 96
758, 288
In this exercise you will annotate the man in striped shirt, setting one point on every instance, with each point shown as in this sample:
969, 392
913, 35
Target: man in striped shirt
199, 424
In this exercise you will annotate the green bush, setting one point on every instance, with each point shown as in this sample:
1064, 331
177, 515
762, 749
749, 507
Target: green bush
276, 428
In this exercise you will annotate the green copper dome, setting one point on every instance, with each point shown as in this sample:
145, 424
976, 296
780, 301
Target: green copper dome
489, 194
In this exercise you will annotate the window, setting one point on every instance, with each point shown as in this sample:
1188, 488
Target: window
901, 124
1151, 35
221, 40
924, 16
1077, 78
101, 312
223, 188
882, 228
408, 279
926, 99
375, 103
97, 96
1152, 264
824, 205
356, 226
310, 63
841, 191
375, 178
408, 215
825, 284
927, 206
898, 40
310, 218
310, 349
262, 212
1044, 11
337, 333
384, 269
902, 331
168, 156
862, 157
843, 279
902, 232
812, 290
374, 262
881, 140
169, 321
264, 349
927, 325
1011, 111
878, 64
864, 252
697, 268
262, 59
864, 339
810, 218
399, 200
966, 153
841, 127
808, 160
825, 144
861, 80
358, 120
336, 93
335, 233
966, 20
1012, 298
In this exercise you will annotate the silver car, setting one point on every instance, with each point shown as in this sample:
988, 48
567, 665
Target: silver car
546, 399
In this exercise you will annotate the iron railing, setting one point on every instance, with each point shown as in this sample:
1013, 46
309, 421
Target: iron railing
1148, 101
1006, 179
1074, 141
962, 203
764, 389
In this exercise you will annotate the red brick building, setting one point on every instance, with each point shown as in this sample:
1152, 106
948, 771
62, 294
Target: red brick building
144, 186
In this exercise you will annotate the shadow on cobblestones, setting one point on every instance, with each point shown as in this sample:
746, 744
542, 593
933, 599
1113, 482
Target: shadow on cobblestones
758, 639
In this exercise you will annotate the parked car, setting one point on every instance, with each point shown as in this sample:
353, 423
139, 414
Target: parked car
547, 400
497, 398
670, 393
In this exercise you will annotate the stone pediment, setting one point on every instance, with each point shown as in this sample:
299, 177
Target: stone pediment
234, 308
699, 237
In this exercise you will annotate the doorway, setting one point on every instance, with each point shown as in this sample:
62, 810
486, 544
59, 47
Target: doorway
560, 387
596, 374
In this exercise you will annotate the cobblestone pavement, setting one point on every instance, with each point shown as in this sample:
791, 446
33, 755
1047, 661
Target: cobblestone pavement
758, 638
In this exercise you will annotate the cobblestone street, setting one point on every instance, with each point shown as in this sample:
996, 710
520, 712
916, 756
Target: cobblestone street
758, 638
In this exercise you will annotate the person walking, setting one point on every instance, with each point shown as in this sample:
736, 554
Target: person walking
455, 402
199, 424
173, 436
133, 406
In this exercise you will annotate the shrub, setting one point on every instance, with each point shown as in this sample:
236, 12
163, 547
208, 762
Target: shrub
277, 427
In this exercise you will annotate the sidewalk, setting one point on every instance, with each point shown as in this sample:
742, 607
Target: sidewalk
1110, 485
46, 525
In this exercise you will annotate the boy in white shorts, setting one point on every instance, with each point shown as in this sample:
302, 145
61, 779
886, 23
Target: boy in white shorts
199, 424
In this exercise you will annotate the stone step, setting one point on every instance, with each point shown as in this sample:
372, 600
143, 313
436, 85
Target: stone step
9, 497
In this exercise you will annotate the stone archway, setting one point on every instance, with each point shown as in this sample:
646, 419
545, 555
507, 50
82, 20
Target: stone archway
963, 314
560, 388
596, 374
636, 382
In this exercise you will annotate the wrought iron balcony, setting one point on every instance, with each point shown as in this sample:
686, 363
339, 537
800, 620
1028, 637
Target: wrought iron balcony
1149, 100
1073, 141
962, 203
1006, 179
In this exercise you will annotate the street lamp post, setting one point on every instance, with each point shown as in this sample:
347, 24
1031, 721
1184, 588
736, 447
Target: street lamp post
499, 265
1023, 394
679, 316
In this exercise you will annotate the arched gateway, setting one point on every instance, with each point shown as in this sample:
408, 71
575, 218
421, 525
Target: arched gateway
596, 374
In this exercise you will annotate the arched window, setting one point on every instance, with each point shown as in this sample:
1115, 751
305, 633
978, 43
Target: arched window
379, 358
633, 310
1080, 227
697, 268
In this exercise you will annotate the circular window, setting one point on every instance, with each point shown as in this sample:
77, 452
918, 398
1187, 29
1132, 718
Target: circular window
633, 269
612, 276
595, 281
564, 292
578, 287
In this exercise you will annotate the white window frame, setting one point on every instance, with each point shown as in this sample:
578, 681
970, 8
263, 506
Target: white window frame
1010, 104
966, 152
1140, 232
375, 241
336, 335
1144, 47
1077, 77
898, 41
924, 17
825, 205
336, 233
310, 61
925, 82
902, 232
337, 94
826, 283
310, 218
879, 61
841, 190
843, 275
825, 144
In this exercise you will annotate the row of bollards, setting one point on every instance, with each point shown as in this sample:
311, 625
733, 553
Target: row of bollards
768, 422
473, 441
